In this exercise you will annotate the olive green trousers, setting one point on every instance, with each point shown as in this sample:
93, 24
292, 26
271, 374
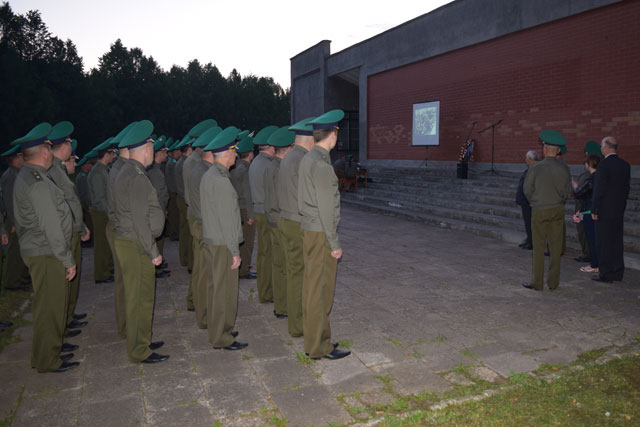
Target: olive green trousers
173, 217
317, 292
222, 295
264, 263
118, 284
16, 271
294, 268
246, 249
198, 284
139, 289
278, 274
74, 285
547, 225
102, 256
190, 304
185, 245
49, 308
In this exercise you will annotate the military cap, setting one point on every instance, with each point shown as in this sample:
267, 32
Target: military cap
13, 151
105, 145
245, 145
184, 141
328, 120
74, 145
60, 133
91, 154
563, 149
169, 143
118, 138
198, 129
207, 136
282, 137
138, 135
36, 136
82, 161
158, 145
593, 148
154, 136
552, 137
242, 135
303, 127
224, 141
264, 134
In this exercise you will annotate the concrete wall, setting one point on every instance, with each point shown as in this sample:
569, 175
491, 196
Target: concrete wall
308, 81
457, 25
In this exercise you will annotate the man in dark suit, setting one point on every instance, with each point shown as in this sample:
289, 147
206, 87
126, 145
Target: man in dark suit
521, 200
610, 192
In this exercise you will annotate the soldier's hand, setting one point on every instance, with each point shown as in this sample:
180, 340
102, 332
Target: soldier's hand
157, 260
87, 234
594, 217
71, 273
13, 229
5, 240
250, 221
236, 262
337, 254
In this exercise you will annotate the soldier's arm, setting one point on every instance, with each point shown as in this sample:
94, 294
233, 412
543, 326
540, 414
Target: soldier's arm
228, 214
529, 184
246, 189
326, 186
50, 222
138, 194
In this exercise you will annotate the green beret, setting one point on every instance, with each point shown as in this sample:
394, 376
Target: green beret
552, 137
118, 138
328, 120
104, 145
263, 135
13, 151
207, 136
563, 149
60, 133
593, 148
139, 135
161, 138
36, 136
303, 127
82, 161
224, 140
282, 137
74, 145
184, 141
242, 135
158, 145
169, 143
91, 154
198, 129
245, 145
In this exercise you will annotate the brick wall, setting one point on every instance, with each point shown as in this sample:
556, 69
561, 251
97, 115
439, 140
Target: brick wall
579, 75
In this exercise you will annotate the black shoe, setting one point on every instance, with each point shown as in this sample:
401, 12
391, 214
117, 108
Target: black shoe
107, 280
26, 282
191, 309
164, 265
335, 345
66, 347
156, 345
155, 358
598, 278
249, 275
23, 288
162, 274
189, 270
234, 346
528, 246
528, 286
72, 333
547, 253
336, 354
234, 334
4, 324
66, 357
79, 316
74, 324
66, 366
582, 259
280, 316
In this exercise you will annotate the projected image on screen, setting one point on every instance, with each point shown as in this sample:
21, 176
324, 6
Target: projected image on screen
426, 123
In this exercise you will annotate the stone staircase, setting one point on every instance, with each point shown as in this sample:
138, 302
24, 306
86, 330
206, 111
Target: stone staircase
483, 204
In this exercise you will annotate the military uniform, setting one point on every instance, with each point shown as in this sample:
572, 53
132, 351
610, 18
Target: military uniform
157, 178
272, 212
18, 273
186, 170
173, 217
84, 194
185, 245
547, 187
102, 257
140, 222
240, 179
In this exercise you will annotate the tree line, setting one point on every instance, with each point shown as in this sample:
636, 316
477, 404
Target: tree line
42, 78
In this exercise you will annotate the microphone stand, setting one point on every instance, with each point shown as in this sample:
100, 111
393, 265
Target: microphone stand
492, 171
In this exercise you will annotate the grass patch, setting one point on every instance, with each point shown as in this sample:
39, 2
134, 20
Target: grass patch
590, 356
439, 338
317, 375
468, 353
246, 357
304, 359
277, 421
596, 395
415, 354
383, 378
251, 292
395, 342
289, 342
345, 344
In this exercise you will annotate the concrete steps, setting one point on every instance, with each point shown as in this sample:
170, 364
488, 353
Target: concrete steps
482, 205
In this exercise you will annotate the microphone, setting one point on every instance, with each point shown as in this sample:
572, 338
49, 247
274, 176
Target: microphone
499, 121
474, 122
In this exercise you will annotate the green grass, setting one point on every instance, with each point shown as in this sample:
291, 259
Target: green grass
395, 342
246, 357
575, 397
304, 359
468, 353
439, 338
345, 344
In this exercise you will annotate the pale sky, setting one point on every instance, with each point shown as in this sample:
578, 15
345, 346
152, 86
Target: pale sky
255, 37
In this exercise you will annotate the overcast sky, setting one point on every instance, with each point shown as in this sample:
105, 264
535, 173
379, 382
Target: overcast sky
255, 37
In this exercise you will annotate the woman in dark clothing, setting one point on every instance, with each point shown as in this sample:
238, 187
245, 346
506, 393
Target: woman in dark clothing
584, 194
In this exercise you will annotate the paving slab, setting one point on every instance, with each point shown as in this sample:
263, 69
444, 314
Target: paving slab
307, 406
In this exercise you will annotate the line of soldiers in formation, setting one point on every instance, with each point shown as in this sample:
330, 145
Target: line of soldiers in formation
211, 199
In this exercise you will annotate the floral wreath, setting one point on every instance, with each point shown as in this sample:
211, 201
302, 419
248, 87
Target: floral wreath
466, 151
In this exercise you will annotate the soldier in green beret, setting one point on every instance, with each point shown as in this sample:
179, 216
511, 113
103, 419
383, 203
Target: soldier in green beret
98, 178
239, 176
256, 181
84, 193
289, 223
157, 178
319, 205
173, 217
185, 245
60, 140
193, 176
140, 222
547, 187
15, 278
44, 224
281, 140
222, 235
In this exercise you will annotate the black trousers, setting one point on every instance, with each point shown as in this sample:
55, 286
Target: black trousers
526, 216
610, 247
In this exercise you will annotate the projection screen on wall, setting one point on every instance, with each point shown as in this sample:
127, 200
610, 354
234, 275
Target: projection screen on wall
426, 123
